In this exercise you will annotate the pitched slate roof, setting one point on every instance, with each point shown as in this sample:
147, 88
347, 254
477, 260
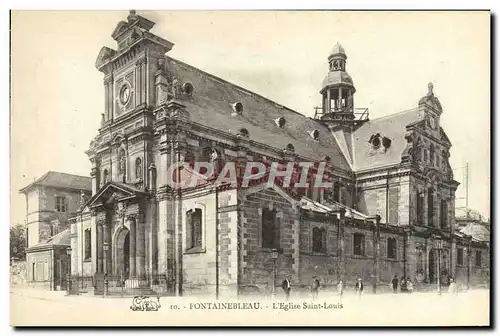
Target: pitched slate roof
60, 239
392, 127
477, 231
62, 180
210, 105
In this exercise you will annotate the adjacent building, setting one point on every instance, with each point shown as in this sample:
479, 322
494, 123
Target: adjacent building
390, 209
50, 201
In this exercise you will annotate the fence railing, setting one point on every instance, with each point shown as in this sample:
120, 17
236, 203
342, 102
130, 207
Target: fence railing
118, 285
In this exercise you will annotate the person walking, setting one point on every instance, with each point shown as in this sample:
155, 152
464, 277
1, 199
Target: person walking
340, 289
287, 287
395, 283
315, 287
359, 287
453, 288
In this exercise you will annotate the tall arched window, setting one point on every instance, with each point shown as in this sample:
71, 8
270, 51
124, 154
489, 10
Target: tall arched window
392, 248
270, 229
194, 228
319, 240
138, 168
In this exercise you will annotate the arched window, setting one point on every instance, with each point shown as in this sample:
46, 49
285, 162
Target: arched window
138, 168
392, 248
270, 229
319, 240
194, 226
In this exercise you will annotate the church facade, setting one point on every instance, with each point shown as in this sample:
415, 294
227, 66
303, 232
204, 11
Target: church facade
389, 209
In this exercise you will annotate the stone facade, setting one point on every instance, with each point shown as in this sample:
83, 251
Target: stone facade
374, 222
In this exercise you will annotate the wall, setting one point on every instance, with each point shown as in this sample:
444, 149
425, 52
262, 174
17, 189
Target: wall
199, 267
256, 269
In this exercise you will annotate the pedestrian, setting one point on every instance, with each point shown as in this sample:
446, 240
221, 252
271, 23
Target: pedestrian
315, 287
453, 288
409, 285
395, 283
287, 287
340, 289
359, 287
402, 287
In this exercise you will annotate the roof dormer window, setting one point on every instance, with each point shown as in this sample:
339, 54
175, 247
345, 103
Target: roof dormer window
315, 134
237, 107
244, 132
280, 122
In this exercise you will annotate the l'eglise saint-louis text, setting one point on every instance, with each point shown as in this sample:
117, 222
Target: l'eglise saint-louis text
306, 305
224, 305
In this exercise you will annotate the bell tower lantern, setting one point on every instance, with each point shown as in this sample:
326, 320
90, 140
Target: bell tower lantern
337, 91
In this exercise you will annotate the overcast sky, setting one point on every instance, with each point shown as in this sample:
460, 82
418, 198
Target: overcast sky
58, 96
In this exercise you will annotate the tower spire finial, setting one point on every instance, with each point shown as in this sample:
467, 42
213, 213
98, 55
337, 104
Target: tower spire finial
431, 88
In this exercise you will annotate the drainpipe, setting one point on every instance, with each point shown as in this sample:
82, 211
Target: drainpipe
387, 199
217, 243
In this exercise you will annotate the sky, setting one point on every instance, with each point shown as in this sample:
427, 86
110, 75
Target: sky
57, 95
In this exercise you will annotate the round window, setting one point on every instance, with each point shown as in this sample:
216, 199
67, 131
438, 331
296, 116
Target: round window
124, 94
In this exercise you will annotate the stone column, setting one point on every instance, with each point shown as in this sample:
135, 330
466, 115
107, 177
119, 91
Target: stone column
341, 246
140, 251
376, 254
132, 249
107, 254
99, 246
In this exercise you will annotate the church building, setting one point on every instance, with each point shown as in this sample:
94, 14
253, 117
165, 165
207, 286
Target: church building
390, 209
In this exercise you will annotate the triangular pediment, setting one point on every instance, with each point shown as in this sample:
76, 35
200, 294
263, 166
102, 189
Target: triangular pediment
104, 55
121, 27
113, 192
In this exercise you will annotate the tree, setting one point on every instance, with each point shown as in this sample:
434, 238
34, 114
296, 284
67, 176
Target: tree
18, 242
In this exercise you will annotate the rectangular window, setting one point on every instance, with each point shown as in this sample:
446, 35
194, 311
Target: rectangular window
392, 248
478, 258
88, 244
194, 227
359, 244
33, 272
319, 240
460, 256
444, 214
270, 229
430, 207
60, 204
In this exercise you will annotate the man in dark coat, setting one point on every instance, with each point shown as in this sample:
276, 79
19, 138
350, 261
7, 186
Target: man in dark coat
287, 287
359, 287
395, 283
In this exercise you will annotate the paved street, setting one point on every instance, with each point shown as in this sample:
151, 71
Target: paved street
37, 307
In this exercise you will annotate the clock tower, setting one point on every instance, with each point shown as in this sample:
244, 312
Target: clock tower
123, 149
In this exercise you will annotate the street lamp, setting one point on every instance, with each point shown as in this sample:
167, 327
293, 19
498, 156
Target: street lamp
68, 252
274, 255
105, 247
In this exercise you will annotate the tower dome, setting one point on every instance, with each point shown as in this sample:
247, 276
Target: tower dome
337, 50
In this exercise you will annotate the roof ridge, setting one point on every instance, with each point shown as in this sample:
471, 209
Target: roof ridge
236, 86
415, 109
63, 173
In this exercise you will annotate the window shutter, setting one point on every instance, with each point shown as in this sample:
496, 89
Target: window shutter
277, 226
